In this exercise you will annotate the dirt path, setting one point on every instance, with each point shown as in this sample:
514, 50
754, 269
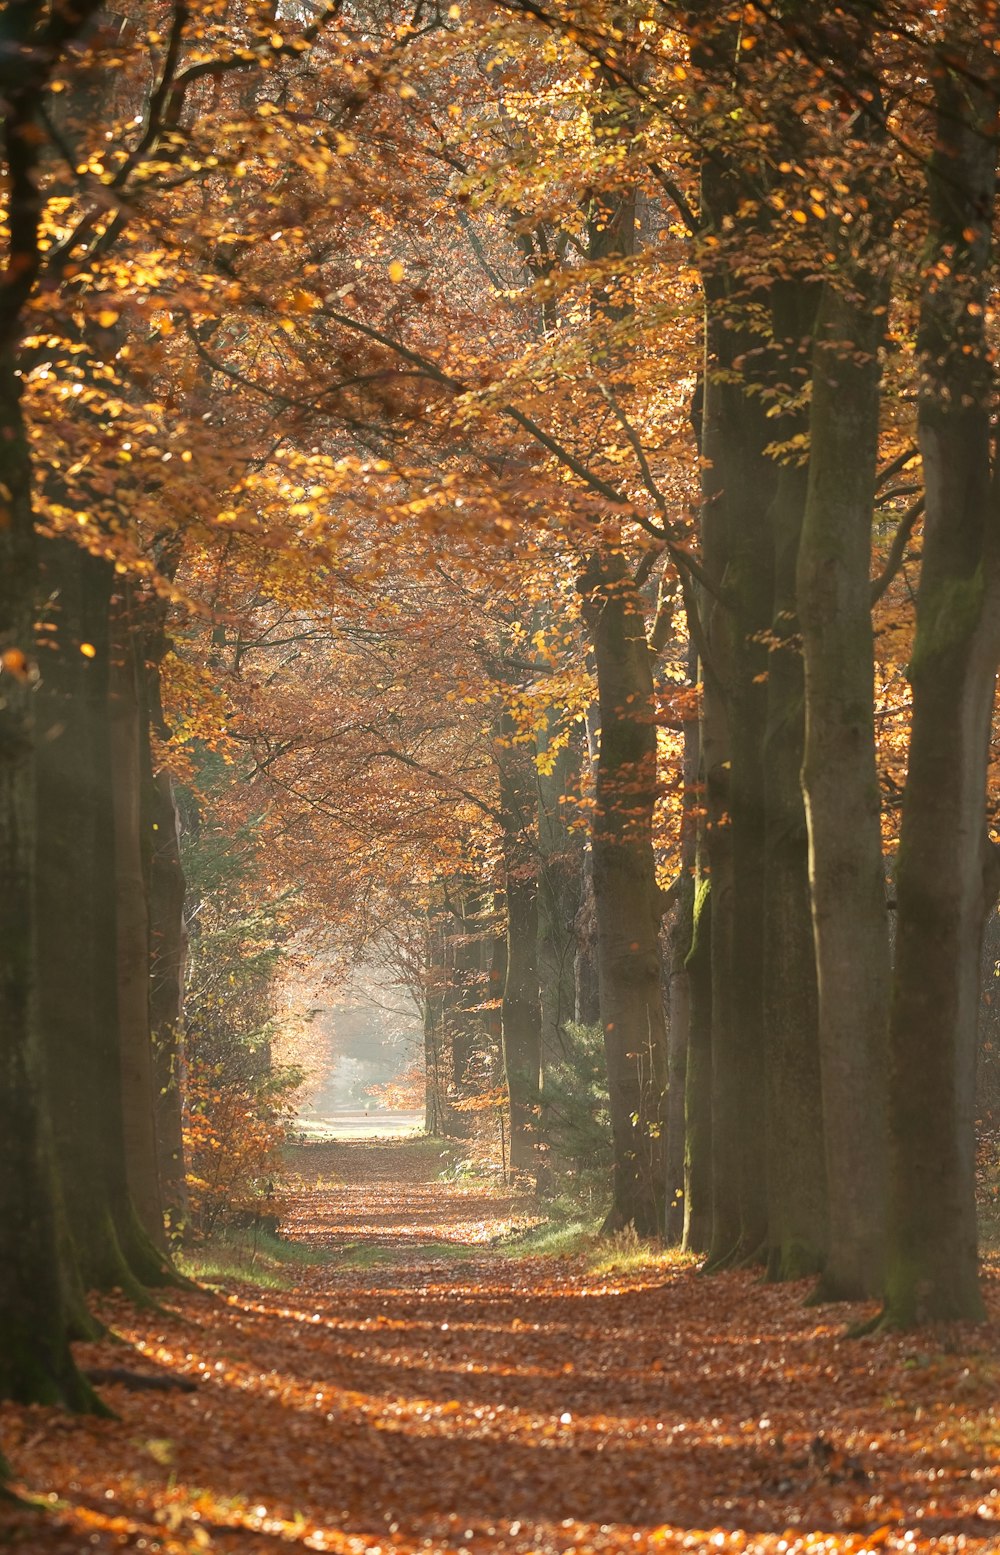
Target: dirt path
388, 1196
401, 1399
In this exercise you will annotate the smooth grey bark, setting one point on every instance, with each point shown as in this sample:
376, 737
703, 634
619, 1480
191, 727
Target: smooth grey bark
127, 743
521, 1013
435, 1057
559, 895
679, 1002
626, 894
840, 780
947, 871
796, 1173
36, 1364
699, 1155
78, 998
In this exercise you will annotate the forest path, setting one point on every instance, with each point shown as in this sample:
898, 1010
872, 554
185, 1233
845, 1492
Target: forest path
389, 1197
425, 1391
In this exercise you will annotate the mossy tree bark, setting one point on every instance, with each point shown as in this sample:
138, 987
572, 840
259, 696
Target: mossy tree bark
947, 871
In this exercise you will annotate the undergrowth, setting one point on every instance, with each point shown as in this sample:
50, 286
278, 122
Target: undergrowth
252, 1254
365, 1255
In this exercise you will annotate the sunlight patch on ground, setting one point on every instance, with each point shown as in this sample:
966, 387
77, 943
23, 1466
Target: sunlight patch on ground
360, 1125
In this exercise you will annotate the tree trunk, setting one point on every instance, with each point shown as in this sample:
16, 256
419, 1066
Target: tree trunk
626, 894
167, 936
698, 1153
947, 869
435, 1063
521, 1014
796, 1174
841, 784
738, 482
680, 1001
678, 1034
559, 897
78, 1002
36, 1365
168, 958
127, 747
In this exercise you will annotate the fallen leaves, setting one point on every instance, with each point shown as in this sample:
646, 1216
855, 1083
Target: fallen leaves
529, 1406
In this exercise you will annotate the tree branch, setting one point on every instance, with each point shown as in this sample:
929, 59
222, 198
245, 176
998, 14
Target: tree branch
897, 550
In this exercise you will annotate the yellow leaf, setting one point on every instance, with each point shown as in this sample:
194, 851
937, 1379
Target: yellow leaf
88, 650
15, 663
107, 317
396, 272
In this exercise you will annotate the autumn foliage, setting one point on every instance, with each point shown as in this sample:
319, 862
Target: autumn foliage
500, 501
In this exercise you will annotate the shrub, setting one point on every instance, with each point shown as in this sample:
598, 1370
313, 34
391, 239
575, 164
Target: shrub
576, 1122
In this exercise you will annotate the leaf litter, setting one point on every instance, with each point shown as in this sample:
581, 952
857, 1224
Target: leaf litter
428, 1390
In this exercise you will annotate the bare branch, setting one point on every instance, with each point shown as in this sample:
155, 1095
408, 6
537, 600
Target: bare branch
897, 551
672, 188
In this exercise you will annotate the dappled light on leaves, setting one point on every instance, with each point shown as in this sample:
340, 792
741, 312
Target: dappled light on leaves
431, 1387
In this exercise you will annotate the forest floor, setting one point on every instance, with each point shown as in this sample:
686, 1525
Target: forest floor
429, 1388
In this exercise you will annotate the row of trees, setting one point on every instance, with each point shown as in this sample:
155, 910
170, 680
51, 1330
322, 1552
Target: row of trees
518, 560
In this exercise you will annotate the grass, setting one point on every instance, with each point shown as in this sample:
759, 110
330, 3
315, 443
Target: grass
253, 1255
363, 1255
627, 1253
568, 1230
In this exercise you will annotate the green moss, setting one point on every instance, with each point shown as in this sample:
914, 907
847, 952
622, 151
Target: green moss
948, 614
699, 921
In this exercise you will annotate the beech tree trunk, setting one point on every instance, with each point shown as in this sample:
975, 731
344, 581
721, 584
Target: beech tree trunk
737, 484
842, 796
167, 957
626, 894
559, 898
947, 871
435, 1056
167, 926
127, 748
796, 1170
699, 1155
78, 1002
738, 481
678, 1037
796, 1174
35, 1360
679, 1002
840, 781
521, 1013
